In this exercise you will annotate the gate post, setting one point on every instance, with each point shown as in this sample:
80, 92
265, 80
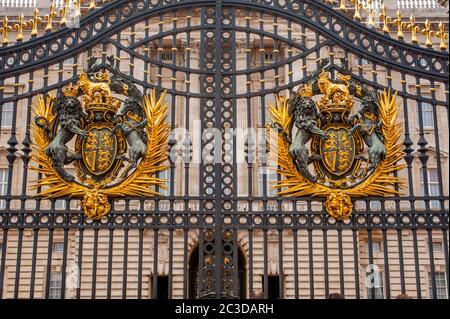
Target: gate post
217, 246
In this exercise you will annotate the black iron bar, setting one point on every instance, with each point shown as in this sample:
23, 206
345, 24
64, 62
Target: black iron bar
356, 258
341, 261
64, 263
110, 263
432, 273
296, 265
140, 261
125, 264
80, 258
18, 263
416, 263
325, 261
387, 275
33, 262
49, 262
94, 265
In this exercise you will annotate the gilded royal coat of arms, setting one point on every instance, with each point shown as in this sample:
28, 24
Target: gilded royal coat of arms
337, 152
119, 145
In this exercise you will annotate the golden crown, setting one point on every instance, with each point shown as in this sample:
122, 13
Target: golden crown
97, 94
99, 103
306, 90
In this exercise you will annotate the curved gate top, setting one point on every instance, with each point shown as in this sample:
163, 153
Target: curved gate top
220, 230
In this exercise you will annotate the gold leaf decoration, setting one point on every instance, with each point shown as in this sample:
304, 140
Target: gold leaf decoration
141, 182
381, 182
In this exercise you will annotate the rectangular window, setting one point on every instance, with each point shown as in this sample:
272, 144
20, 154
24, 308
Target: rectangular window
60, 204
375, 205
376, 246
433, 186
166, 176
271, 177
58, 247
3, 186
437, 247
164, 206
264, 108
268, 56
441, 285
272, 206
273, 290
378, 289
7, 112
427, 116
55, 285
166, 55
69, 62
170, 101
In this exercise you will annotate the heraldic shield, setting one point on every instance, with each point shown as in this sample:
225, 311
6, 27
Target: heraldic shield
119, 147
338, 151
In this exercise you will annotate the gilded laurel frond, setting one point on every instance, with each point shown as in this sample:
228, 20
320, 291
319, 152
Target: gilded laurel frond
292, 184
50, 185
382, 182
280, 112
143, 181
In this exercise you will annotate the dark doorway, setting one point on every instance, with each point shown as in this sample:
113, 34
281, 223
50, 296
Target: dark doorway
162, 287
273, 289
194, 277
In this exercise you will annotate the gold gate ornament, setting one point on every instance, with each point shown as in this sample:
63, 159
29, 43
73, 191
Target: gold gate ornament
352, 153
107, 132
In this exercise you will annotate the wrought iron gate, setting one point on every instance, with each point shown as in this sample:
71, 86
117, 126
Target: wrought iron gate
219, 231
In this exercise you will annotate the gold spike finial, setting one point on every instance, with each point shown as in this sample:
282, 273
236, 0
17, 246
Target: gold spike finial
34, 23
49, 17
370, 14
370, 20
77, 4
5, 29
429, 34
63, 13
442, 36
342, 6
386, 19
400, 25
357, 6
91, 5
19, 27
414, 29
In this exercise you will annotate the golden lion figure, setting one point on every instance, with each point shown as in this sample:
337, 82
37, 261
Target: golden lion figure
90, 88
329, 89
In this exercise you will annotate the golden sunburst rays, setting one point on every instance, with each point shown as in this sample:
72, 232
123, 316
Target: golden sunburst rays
141, 183
382, 182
